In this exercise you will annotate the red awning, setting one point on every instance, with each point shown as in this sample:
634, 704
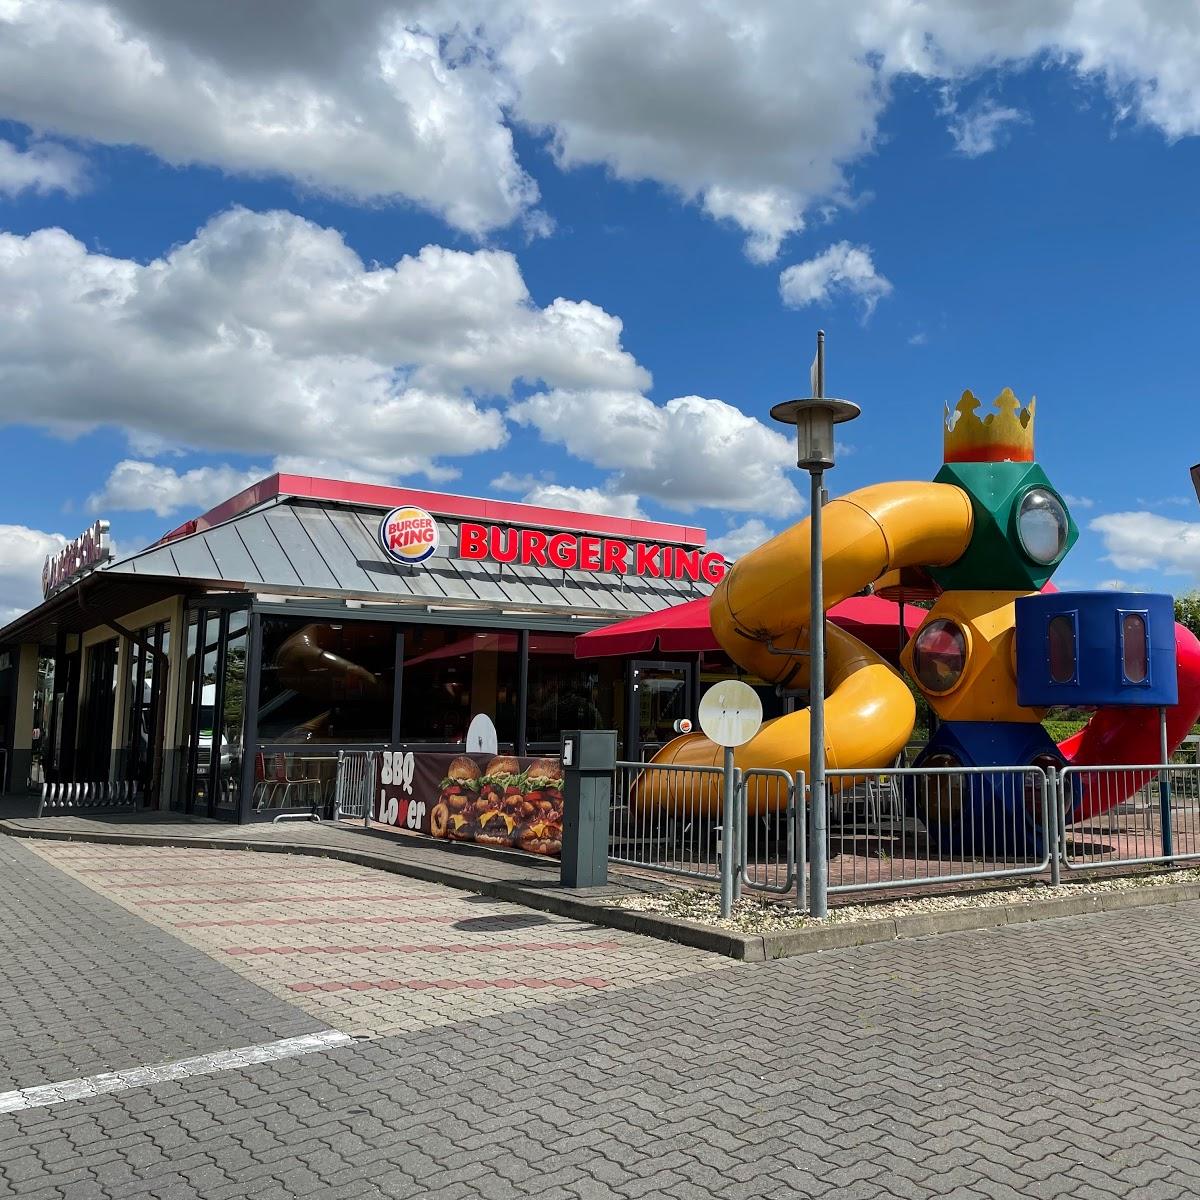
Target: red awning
685, 629
682, 629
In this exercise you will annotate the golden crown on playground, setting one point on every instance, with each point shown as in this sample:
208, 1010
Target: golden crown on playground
1002, 436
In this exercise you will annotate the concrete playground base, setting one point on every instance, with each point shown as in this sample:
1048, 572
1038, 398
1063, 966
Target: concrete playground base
522, 880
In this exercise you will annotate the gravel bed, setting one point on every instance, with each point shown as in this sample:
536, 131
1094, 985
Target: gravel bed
755, 915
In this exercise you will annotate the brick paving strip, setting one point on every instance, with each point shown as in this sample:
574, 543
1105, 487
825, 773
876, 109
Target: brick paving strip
533, 882
447, 948
364, 980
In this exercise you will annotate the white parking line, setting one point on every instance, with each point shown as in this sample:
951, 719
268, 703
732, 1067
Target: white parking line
46, 1094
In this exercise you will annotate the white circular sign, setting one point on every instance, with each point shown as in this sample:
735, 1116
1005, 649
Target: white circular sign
730, 713
408, 535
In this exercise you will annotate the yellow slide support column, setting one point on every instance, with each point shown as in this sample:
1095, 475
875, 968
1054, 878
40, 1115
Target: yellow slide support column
762, 607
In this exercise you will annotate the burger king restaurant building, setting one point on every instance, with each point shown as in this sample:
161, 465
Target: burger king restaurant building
235, 657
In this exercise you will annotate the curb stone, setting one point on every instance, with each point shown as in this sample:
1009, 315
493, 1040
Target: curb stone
593, 905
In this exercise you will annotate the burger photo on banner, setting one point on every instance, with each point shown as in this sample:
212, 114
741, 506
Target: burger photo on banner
493, 800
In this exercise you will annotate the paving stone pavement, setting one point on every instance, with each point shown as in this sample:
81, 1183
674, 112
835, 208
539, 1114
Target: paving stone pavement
365, 951
1054, 1059
86, 987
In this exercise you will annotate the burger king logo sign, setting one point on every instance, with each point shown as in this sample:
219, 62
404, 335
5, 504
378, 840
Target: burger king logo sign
408, 535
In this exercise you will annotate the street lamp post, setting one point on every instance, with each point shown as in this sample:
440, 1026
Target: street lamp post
814, 418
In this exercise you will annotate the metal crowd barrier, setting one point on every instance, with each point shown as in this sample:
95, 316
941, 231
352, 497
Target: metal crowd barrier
914, 826
89, 794
661, 819
772, 839
355, 786
666, 819
1126, 815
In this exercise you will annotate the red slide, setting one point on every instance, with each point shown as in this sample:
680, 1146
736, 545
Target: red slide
1131, 735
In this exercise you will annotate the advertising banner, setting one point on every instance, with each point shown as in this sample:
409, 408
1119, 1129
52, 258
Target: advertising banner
495, 800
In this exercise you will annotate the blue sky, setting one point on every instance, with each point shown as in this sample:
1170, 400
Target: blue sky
960, 201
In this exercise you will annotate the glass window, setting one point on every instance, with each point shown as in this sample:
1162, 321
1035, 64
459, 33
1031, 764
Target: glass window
96, 726
1135, 650
570, 693
204, 714
660, 698
326, 681
43, 706
1061, 637
145, 702
232, 711
453, 673
716, 665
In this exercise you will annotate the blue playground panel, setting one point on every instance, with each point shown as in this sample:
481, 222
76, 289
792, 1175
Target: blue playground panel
1096, 649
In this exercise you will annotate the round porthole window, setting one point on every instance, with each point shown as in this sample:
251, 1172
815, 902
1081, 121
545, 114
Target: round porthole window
1042, 525
939, 656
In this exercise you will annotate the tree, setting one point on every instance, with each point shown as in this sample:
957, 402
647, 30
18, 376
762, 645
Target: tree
1187, 611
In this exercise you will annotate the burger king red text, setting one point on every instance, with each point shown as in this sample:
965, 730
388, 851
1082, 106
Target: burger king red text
408, 535
586, 552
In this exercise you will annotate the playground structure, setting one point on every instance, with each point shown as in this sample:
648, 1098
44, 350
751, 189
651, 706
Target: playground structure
997, 649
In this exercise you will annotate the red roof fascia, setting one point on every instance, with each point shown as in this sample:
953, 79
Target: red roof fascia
373, 495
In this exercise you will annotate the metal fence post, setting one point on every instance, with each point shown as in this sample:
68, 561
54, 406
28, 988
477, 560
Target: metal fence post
741, 819
800, 820
1164, 787
728, 835
372, 765
1053, 831
729, 831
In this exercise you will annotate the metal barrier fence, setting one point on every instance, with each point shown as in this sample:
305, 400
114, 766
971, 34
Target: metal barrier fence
772, 839
914, 826
666, 819
355, 785
888, 829
1123, 816
662, 819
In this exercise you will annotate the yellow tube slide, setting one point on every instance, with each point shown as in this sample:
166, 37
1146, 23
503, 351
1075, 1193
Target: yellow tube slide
764, 598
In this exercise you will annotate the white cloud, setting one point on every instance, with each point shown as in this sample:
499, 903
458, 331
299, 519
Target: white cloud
981, 128
41, 168
756, 109
1166, 501
23, 551
768, 216
338, 468
1143, 541
690, 452
267, 333
1113, 585
753, 109
920, 338
1079, 501
506, 481
134, 486
373, 105
843, 269
741, 539
588, 500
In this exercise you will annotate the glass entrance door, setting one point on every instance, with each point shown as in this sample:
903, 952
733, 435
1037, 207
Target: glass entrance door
660, 693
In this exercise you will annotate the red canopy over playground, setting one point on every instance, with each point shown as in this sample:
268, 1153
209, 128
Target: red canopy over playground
685, 629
